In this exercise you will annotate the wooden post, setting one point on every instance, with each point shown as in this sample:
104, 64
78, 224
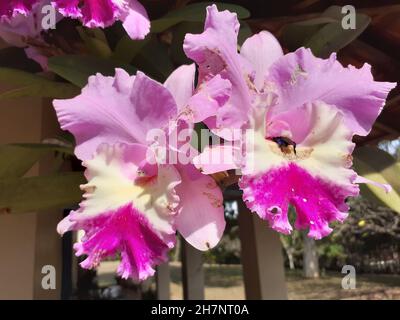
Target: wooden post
310, 258
163, 281
192, 272
28, 242
262, 260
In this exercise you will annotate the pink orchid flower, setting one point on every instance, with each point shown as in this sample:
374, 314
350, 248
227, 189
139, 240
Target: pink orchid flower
133, 204
92, 13
303, 112
19, 28
24, 30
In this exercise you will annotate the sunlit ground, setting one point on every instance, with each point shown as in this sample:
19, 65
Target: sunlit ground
226, 282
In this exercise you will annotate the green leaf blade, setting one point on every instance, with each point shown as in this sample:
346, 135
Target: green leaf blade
17, 159
379, 166
78, 68
21, 195
25, 84
193, 13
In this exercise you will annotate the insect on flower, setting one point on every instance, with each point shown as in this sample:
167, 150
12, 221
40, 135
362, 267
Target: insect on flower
284, 144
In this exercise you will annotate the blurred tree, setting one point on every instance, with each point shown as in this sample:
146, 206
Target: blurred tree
310, 258
370, 235
292, 246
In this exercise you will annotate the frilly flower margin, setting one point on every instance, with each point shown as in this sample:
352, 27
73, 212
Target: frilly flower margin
92, 13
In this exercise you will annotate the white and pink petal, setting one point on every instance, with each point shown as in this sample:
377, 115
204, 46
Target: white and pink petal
128, 208
316, 180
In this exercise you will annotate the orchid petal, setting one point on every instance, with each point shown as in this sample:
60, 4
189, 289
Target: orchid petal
196, 106
215, 52
181, 84
261, 50
210, 96
201, 218
103, 13
94, 13
300, 77
68, 8
127, 232
11, 8
36, 55
121, 174
387, 187
115, 109
218, 158
136, 22
16, 29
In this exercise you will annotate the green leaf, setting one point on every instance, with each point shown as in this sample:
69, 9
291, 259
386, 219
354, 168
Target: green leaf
244, 32
377, 165
78, 68
17, 159
154, 60
324, 34
295, 35
95, 41
27, 84
58, 146
15, 58
332, 37
20, 195
193, 13
179, 32
127, 49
